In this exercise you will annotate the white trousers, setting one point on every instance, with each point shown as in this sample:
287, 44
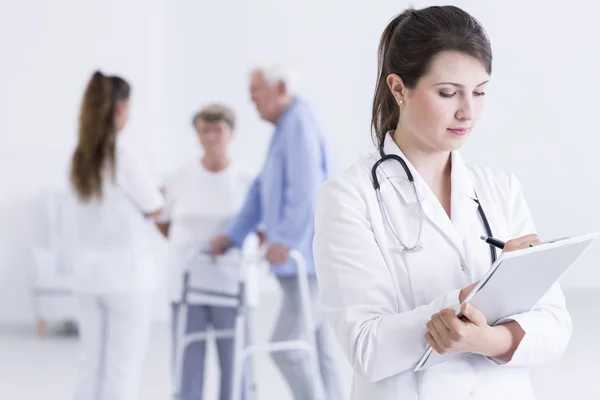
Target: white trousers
114, 334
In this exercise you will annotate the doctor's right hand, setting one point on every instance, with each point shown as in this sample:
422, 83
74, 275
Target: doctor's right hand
522, 242
512, 245
220, 244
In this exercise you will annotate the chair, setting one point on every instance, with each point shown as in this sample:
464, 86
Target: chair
52, 276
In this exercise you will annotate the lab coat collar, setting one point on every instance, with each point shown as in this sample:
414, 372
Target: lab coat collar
392, 170
464, 201
463, 204
462, 183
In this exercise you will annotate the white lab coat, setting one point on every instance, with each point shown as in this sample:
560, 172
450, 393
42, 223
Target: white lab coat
113, 243
378, 300
115, 279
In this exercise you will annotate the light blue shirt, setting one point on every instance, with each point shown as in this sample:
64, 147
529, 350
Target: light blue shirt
283, 196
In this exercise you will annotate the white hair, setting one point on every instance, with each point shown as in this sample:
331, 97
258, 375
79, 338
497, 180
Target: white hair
276, 73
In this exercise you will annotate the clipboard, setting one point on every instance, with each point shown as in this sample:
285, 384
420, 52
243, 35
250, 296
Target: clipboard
516, 282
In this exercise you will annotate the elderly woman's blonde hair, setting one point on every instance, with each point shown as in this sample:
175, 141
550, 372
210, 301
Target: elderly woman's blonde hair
215, 113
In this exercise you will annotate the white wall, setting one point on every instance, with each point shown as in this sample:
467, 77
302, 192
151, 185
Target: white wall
539, 121
211, 62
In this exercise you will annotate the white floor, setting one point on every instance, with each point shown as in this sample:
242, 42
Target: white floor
32, 368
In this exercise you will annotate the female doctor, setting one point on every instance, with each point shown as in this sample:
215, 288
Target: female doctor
397, 243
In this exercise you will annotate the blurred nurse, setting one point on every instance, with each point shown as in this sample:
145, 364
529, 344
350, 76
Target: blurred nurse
112, 253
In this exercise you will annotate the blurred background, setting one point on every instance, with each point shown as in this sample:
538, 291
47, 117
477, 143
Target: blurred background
540, 122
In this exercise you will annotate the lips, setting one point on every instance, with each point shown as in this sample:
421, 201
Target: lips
459, 131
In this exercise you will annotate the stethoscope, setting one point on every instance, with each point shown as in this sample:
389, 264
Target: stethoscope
418, 244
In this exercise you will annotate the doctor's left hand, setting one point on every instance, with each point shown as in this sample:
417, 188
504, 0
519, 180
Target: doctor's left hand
448, 334
277, 254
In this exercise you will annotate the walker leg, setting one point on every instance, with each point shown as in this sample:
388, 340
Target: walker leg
180, 346
250, 366
319, 390
309, 324
238, 357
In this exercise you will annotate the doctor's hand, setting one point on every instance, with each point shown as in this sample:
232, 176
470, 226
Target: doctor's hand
219, 245
446, 333
277, 254
464, 292
522, 242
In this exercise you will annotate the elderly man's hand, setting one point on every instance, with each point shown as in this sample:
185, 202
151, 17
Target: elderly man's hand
277, 254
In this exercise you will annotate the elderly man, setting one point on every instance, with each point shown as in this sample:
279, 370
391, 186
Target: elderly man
282, 198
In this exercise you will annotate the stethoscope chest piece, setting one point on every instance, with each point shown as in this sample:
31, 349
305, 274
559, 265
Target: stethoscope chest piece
404, 250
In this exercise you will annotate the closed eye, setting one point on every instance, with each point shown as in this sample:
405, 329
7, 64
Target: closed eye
447, 95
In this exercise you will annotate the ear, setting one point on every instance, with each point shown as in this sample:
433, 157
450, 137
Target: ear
397, 88
120, 107
281, 88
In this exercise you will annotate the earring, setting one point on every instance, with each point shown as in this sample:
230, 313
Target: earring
401, 101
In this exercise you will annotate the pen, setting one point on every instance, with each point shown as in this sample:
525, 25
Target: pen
493, 241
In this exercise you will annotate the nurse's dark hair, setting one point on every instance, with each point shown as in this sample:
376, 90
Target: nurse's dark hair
96, 142
408, 45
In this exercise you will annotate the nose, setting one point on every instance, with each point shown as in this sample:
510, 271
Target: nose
466, 109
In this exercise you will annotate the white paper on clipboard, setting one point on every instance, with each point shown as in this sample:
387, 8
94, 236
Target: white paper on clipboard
516, 283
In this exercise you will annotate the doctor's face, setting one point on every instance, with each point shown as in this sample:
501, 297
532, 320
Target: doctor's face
214, 137
440, 112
